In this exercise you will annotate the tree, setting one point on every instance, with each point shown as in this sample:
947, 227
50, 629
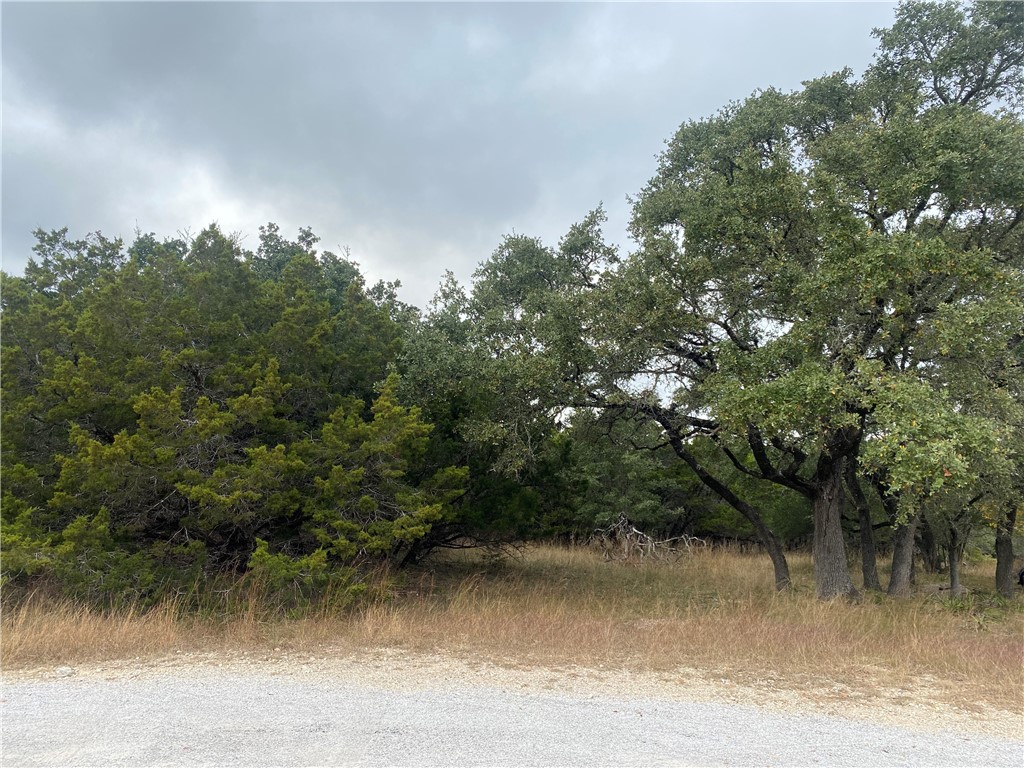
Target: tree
865, 524
540, 342
828, 284
618, 481
189, 407
1006, 576
454, 368
810, 261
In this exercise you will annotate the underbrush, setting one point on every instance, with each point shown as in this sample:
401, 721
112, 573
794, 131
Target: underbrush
712, 609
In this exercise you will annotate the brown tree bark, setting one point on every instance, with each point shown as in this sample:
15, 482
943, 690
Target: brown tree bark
954, 574
765, 534
767, 537
1006, 582
868, 559
902, 575
831, 571
955, 551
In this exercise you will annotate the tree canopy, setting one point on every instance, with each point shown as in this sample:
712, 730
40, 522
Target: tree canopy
824, 280
179, 408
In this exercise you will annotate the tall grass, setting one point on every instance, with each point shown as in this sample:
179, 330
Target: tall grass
713, 610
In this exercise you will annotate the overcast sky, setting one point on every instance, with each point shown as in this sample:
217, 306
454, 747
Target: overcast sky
416, 134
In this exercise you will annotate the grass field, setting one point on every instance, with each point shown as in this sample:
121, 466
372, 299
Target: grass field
714, 610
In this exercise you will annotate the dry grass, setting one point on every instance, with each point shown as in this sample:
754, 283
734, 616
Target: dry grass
714, 610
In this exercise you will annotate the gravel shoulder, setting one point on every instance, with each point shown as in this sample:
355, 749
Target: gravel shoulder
392, 707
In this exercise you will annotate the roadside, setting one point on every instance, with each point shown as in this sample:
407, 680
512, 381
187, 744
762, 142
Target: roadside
924, 704
707, 631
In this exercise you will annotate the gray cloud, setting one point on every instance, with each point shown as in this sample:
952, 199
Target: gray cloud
415, 134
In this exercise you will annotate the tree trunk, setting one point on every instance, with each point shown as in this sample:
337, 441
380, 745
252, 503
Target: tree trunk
765, 534
831, 571
869, 565
902, 575
1006, 584
955, 551
930, 555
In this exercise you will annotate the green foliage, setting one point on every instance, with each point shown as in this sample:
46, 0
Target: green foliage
823, 277
281, 572
184, 409
842, 265
480, 405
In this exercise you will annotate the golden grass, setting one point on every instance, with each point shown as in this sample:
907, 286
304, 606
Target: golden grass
714, 610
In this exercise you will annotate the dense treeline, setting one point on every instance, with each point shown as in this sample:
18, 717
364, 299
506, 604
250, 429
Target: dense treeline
176, 408
819, 335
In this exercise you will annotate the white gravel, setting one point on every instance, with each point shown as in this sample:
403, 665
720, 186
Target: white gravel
399, 709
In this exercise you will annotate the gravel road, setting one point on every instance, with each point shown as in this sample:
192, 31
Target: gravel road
419, 712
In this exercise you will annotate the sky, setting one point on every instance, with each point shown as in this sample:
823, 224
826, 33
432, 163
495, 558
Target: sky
415, 135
